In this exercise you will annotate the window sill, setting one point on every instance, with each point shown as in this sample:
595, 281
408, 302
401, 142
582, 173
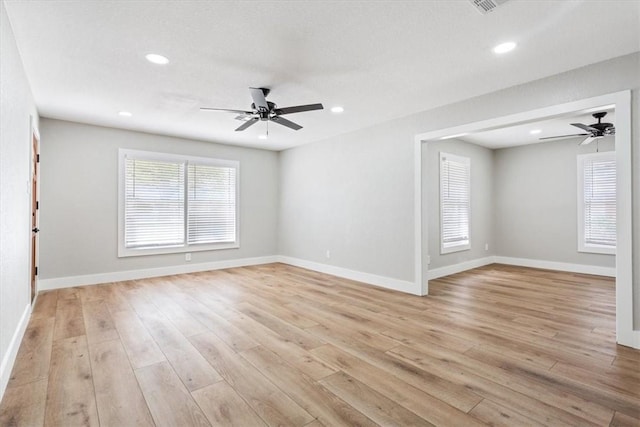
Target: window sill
126, 252
457, 248
594, 249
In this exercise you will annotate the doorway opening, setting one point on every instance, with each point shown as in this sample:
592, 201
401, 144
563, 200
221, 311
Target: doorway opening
621, 101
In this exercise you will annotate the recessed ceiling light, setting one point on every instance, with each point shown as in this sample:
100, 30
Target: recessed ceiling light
504, 47
535, 131
262, 136
125, 114
157, 59
455, 136
337, 109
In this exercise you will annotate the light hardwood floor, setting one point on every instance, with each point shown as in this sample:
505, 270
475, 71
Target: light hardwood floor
278, 345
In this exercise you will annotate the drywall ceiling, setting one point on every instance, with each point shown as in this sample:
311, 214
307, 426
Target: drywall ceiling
520, 134
378, 59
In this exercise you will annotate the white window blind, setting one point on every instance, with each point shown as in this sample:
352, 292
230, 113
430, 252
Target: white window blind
212, 204
455, 202
171, 203
597, 202
154, 203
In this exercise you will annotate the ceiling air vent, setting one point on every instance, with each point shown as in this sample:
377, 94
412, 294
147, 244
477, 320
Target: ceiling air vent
486, 6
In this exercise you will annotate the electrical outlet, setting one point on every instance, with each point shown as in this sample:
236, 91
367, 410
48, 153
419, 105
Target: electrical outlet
328, 254
428, 259
486, 246
187, 256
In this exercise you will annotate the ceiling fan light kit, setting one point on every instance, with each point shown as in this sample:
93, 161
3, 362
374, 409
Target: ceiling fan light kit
595, 130
263, 110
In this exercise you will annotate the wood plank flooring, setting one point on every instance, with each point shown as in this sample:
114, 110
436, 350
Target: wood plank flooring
276, 345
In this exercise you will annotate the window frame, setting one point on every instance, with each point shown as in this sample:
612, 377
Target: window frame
123, 251
582, 245
464, 245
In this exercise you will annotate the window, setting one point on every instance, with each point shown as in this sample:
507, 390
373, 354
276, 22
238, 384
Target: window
455, 205
170, 203
597, 203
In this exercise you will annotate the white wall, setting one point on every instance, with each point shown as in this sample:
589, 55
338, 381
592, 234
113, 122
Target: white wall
79, 187
481, 221
536, 202
375, 199
16, 106
343, 195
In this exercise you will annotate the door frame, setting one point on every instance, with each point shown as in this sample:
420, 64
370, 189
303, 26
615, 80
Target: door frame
34, 171
625, 334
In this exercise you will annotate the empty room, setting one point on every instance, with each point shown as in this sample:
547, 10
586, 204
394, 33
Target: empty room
320, 213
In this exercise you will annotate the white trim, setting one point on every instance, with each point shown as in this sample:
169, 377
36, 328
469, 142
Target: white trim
635, 343
458, 268
624, 213
454, 248
558, 266
595, 249
371, 279
521, 262
35, 129
118, 276
625, 333
12, 351
420, 214
417, 221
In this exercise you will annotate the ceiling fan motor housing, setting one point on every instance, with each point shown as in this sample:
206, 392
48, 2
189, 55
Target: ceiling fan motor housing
263, 112
602, 128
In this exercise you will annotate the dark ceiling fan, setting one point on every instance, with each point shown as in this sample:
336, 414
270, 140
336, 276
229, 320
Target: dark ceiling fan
264, 110
595, 130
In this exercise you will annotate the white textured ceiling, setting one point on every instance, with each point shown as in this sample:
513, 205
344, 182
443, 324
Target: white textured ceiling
378, 59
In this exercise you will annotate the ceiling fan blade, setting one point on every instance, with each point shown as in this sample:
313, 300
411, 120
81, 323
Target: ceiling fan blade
246, 117
564, 136
225, 110
247, 124
584, 127
588, 140
258, 98
287, 123
298, 109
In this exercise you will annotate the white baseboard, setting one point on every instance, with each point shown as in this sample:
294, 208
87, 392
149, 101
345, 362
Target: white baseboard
521, 262
560, 266
629, 339
118, 276
458, 268
371, 279
12, 351
636, 339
